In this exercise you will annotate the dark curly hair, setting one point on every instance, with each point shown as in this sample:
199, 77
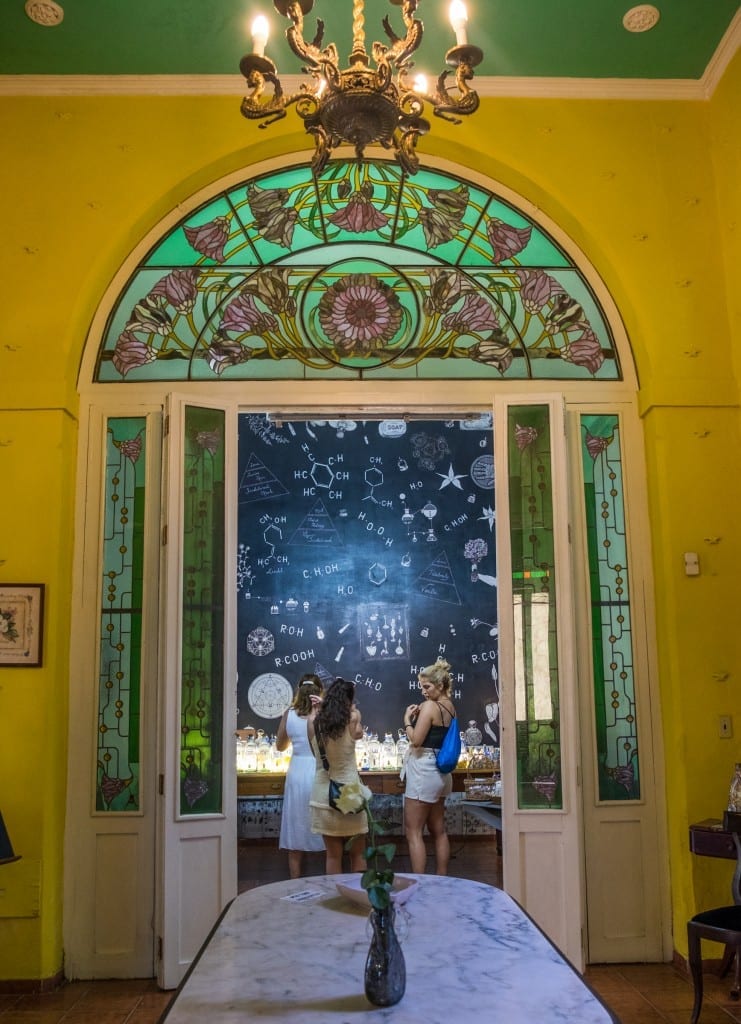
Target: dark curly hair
334, 712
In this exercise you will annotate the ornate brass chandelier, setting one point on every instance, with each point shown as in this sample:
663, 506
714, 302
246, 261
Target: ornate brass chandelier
361, 105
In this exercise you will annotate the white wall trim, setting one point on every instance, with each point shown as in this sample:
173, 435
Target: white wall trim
234, 85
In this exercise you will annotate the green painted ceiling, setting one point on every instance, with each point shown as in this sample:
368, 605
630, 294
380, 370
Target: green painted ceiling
520, 38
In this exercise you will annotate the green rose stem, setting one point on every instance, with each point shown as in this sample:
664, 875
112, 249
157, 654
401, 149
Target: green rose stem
377, 880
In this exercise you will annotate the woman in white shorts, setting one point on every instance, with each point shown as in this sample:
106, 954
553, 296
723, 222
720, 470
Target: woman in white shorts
425, 787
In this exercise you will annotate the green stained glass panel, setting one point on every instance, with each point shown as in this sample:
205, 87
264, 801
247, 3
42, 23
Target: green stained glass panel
202, 654
612, 632
537, 700
119, 680
361, 273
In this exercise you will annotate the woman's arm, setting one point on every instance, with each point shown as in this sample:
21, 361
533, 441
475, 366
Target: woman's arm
355, 725
281, 738
417, 722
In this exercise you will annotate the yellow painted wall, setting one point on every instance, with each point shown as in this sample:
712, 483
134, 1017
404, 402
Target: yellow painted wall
648, 190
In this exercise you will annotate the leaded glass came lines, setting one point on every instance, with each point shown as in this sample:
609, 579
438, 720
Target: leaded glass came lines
616, 726
361, 273
537, 699
119, 686
202, 652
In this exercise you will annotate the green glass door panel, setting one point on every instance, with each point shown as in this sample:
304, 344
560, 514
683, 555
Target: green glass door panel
616, 726
202, 651
536, 682
119, 678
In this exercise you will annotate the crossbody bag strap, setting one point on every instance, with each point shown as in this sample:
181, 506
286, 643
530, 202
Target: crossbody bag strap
320, 744
443, 708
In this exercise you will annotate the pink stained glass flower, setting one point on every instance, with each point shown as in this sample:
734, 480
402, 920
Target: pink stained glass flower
360, 314
585, 351
596, 445
446, 287
275, 220
209, 239
242, 314
179, 288
358, 215
494, 351
506, 241
223, 352
536, 288
475, 316
131, 352
131, 448
271, 285
525, 436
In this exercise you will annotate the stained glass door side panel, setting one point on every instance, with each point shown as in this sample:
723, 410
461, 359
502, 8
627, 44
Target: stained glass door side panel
202, 653
537, 704
616, 724
119, 678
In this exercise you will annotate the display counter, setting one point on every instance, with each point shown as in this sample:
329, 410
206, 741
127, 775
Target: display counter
260, 804
272, 783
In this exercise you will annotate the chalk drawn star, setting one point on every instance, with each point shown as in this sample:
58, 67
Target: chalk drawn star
488, 516
451, 477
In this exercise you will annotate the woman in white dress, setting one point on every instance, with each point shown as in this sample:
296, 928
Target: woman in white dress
295, 823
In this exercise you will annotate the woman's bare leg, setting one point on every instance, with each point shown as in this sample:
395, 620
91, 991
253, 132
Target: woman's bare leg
415, 819
334, 846
436, 825
294, 863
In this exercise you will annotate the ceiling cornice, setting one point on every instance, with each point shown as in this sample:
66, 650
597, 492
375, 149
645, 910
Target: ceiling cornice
486, 86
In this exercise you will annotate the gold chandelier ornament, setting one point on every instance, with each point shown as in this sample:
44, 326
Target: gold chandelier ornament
361, 105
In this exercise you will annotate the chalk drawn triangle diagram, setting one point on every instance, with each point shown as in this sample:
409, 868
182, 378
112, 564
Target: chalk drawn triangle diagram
437, 581
324, 674
317, 528
258, 483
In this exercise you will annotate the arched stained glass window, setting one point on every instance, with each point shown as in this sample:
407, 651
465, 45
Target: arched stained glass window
362, 273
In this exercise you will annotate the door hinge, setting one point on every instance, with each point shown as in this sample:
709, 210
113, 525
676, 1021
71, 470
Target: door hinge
164, 536
159, 947
161, 784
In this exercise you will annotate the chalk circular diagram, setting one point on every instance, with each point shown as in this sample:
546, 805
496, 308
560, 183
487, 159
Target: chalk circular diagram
260, 641
269, 695
482, 472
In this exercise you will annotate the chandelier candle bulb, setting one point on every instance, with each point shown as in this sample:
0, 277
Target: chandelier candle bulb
458, 19
259, 35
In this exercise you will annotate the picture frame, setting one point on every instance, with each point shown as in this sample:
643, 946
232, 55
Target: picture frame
21, 625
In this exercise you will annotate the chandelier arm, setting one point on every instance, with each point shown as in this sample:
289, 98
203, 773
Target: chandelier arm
401, 49
449, 107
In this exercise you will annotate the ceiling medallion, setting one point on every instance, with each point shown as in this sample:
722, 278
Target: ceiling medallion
360, 104
44, 12
641, 18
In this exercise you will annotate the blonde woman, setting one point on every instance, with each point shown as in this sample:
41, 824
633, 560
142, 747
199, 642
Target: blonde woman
425, 787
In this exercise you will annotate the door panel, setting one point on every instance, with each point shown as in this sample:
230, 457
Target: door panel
543, 855
198, 842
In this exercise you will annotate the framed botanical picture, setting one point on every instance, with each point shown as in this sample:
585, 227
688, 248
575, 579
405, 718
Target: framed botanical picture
21, 624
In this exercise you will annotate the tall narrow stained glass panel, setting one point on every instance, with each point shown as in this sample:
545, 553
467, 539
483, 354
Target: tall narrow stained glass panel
537, 701
612, 633
202, 666
119, 680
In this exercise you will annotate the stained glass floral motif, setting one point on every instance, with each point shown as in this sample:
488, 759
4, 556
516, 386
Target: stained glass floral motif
361, 273
535, 618
119, 670
202, 649
616, 725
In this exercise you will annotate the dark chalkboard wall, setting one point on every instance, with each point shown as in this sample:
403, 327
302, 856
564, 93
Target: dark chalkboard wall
366, 550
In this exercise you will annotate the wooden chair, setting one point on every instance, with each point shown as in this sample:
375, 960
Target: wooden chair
723, 924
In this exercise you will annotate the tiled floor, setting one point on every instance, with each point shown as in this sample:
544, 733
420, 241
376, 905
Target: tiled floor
636, 993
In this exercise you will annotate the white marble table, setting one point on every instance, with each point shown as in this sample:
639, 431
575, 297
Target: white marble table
294, 953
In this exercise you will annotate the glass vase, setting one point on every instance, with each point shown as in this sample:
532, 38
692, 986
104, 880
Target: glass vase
385, 969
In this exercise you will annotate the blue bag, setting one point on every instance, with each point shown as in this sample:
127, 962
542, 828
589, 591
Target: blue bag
448, 754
